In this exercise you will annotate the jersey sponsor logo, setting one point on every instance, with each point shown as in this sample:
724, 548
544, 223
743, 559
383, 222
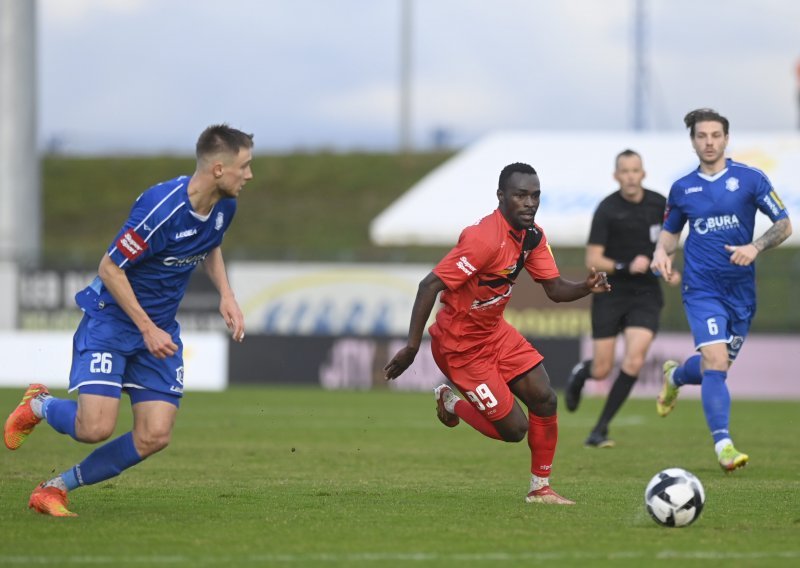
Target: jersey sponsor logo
194, 259
131, 245
696, 189
718, 223
772, 205
732, 184
186, 233
219, 221
777, 199
464, 265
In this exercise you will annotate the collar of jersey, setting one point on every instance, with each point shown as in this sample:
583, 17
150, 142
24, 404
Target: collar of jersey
717, 175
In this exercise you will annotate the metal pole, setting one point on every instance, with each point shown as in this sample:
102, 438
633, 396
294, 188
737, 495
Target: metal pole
639, 65
20, 195
406, 9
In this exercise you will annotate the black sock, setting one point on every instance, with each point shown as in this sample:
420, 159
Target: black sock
616, 398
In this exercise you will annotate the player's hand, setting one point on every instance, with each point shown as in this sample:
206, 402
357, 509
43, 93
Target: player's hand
159, 342
742, 255
232, 314
597, 282
662, 264
400, 362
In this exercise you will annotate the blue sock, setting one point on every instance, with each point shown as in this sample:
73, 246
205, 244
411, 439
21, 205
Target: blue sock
107, 461
716, 403
60, 414
689, 373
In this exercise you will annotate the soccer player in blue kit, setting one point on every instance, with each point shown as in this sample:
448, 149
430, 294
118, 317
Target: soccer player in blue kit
128, 339
719, 201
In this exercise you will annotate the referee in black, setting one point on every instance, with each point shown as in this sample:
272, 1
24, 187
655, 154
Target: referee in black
624, 231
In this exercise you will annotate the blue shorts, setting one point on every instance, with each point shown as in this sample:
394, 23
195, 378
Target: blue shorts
108, 358
718, 319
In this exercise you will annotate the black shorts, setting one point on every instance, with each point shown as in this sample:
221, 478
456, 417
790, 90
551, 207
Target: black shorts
613, 312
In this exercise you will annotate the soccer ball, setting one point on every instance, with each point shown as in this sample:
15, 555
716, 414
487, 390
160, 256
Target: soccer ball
674, 497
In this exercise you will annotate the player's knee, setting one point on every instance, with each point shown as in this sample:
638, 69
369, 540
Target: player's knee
517, 433
148, 443
600, 370
545, 404
92, 433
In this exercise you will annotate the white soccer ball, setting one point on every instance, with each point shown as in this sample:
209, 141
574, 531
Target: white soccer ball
674, 497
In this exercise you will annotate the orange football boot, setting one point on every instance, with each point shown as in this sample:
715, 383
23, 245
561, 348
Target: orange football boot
21, 422
50, 501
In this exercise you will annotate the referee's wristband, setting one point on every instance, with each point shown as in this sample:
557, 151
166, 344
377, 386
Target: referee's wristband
622, 267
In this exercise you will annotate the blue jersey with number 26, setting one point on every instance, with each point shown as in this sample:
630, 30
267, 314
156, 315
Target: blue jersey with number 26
159, 246
720, 210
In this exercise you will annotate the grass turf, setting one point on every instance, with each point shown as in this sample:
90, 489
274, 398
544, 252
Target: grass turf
304, 477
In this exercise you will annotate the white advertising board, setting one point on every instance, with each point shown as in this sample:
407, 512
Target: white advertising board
326, 298
46, 356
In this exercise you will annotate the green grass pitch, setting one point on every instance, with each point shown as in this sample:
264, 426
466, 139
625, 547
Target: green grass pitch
304, 477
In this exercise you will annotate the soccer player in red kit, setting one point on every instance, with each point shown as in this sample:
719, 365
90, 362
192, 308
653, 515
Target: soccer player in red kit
477, 350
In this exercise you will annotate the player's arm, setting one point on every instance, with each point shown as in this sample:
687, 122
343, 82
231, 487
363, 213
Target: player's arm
563, 290
664, 252
157, 341
428, 289
744, 255
228, 306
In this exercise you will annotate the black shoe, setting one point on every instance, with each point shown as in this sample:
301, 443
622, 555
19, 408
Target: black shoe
598, 440
572, 394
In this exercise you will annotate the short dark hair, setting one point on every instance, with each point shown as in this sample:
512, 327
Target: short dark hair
705, 115
626, 153
222, 138
516, 167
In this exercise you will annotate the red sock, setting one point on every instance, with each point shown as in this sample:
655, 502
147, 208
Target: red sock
542, 440
468, 414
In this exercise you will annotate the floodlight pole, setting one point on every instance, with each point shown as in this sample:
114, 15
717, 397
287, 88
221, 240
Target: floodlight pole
20, 201
406, 12
639, 64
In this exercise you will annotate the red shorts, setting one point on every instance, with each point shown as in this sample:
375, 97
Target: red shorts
482, 372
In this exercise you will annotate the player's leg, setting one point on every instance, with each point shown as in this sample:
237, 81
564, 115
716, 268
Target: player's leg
708, 320
487, 398
37, 402
534, 390
607, 319
637, 343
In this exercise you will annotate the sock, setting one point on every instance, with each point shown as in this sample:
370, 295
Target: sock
716, 403
107, 461
542, 440
538, 482
37, 402
57, 482
468, 414
616, 398
689, 373
719, 446
60, 414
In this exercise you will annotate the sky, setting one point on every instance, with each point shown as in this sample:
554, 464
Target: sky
146, 76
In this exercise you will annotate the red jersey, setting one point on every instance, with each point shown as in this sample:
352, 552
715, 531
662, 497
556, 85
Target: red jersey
480, 272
